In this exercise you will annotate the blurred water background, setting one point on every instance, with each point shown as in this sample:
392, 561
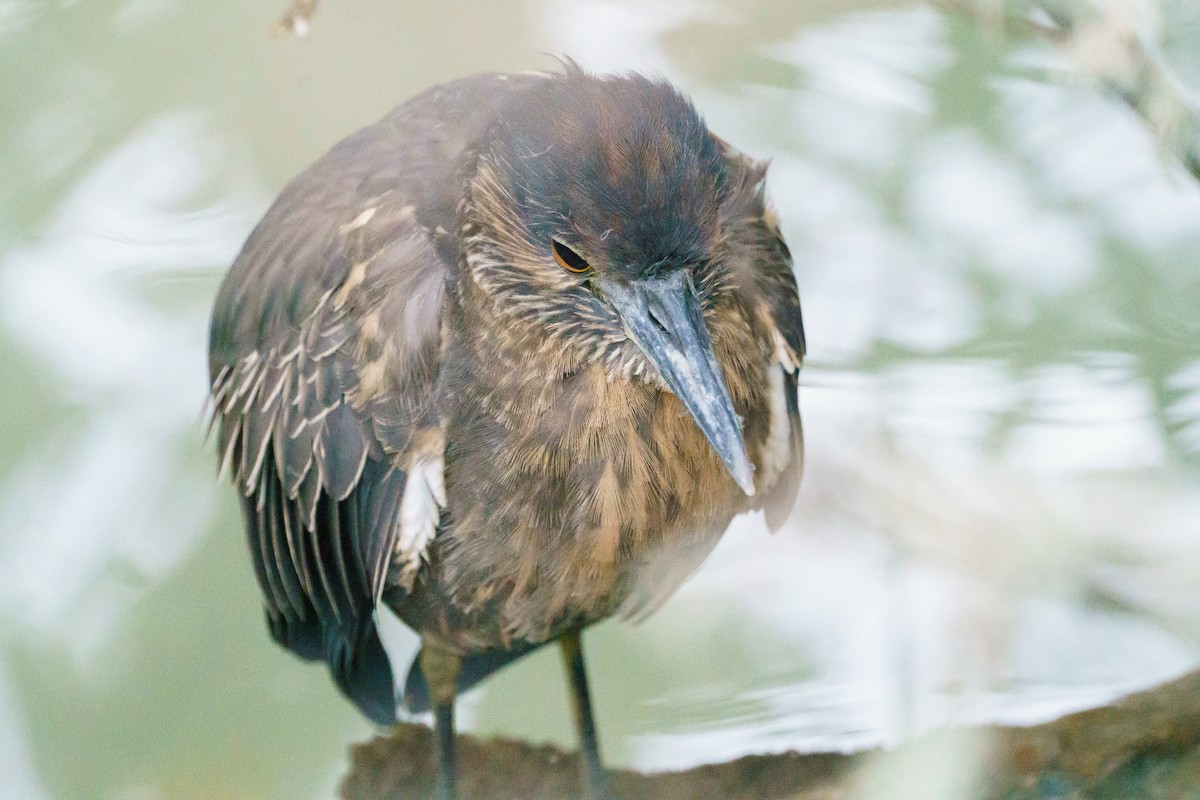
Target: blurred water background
1001, 515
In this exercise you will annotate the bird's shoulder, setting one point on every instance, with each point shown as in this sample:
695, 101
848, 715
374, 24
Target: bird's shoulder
762, 264
339, 289
400, 177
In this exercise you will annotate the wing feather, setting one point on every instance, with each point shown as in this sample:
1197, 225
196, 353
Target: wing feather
261, 548
323, 533
257, 426
308, 494
352, 547
293, 531
343, 463
333, 554
274, 509
293, 453
380, 506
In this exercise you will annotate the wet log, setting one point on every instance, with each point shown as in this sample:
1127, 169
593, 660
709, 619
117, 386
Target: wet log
1144, 745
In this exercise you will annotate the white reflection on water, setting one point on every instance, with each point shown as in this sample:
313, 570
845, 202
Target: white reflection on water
15, 13
136, 16
1089, 151
616, 35
1098, 418
100, 496
973, 203
1184, 413
17, 776
876, 65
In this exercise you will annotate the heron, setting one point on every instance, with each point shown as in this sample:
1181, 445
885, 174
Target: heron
506, 362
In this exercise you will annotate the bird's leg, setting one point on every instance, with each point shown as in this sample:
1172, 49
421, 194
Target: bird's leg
581, 703
441, 669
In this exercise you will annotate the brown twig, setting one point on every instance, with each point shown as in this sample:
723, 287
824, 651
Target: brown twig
296, 21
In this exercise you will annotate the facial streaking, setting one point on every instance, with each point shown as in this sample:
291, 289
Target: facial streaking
663, 316
595, 222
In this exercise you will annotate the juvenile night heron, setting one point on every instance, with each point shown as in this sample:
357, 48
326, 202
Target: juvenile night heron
507, 361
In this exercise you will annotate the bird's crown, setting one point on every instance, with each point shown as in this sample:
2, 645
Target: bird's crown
621, 170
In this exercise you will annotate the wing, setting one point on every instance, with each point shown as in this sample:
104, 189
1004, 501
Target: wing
770, 280
314, 426
324, 352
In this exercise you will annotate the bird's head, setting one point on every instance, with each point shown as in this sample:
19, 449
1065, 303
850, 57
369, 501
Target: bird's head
594, 227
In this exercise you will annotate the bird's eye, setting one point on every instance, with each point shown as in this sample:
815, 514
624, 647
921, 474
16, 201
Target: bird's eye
568, 259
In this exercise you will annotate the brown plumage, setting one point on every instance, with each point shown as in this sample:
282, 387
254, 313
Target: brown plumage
421, 406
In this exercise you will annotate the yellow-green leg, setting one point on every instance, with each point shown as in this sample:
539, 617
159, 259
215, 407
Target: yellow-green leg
594, 773
441, 670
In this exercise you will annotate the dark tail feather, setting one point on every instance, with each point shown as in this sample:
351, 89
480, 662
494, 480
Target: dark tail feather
361, 670
475, 668
302, 638
357, 661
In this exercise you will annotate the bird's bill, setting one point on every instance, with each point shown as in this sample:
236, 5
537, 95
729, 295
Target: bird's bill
664, 318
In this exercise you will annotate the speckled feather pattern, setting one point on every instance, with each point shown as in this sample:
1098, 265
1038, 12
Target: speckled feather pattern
419, 406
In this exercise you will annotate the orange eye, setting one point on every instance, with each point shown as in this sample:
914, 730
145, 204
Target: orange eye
568, 259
